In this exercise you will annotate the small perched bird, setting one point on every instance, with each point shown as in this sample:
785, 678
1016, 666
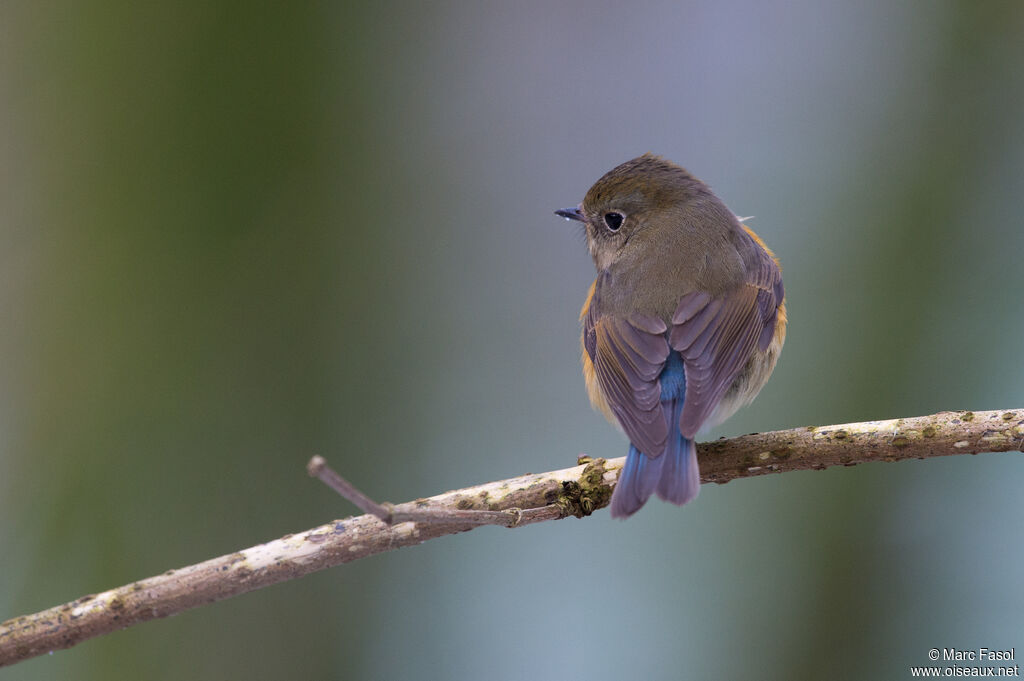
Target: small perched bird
683, 324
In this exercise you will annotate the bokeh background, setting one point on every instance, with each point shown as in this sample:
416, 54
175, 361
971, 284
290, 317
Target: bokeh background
233, 236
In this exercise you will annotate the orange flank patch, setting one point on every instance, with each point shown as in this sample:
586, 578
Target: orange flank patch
594, 392
780, 327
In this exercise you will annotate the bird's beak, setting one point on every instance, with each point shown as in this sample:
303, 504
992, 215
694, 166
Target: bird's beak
570, 214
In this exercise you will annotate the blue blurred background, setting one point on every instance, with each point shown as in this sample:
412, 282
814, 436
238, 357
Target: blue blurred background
232, 237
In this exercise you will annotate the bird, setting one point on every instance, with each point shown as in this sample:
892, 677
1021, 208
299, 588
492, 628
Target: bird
682, 326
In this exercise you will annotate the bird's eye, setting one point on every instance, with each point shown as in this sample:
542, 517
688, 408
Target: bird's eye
613, 221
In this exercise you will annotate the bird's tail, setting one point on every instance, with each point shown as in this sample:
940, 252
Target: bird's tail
680, 475
674, 475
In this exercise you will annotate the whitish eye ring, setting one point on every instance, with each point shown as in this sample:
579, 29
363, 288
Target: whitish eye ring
613, 220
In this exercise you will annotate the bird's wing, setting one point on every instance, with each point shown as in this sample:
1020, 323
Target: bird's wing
767, 275
627, 357
717, 336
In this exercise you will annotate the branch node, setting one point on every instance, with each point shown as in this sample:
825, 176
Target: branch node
389, 513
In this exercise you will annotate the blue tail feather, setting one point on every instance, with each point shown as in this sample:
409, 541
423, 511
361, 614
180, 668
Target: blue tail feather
680, 477
636, 483
673, 473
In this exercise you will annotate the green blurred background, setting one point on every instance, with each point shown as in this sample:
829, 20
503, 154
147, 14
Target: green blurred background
232, 237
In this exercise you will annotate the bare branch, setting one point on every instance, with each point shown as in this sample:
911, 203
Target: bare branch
416, 513
576, 491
